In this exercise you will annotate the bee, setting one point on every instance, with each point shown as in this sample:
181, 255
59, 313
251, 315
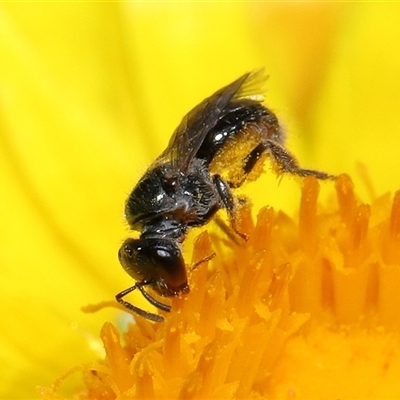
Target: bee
220, 144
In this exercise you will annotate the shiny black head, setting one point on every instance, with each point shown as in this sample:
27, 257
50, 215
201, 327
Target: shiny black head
157, 263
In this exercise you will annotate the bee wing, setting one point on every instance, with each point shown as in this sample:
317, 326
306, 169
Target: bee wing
191, 132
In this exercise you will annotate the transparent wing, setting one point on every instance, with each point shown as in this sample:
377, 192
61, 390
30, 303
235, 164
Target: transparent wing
191, 132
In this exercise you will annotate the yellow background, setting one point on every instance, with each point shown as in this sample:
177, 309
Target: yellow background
91, 92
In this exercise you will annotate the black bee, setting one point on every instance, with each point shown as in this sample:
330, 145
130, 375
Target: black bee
218, 145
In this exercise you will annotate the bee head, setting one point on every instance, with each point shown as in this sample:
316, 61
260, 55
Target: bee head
156, 262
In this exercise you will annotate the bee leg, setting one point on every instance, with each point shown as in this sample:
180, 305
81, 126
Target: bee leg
145, 314
228, 202
228, 230
203, 260
285, 162
153, 301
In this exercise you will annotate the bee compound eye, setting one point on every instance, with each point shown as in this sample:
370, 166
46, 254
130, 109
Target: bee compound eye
164, 255
167, 256
168, 261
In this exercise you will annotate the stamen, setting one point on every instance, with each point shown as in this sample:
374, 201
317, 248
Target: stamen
308, 213
346, 197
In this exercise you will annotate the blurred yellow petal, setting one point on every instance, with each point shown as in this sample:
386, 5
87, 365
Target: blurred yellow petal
170, 42
296, 57
361, 94
61, 144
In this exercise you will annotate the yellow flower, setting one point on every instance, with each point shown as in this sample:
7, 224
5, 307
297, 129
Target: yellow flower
288, 314
83, 89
